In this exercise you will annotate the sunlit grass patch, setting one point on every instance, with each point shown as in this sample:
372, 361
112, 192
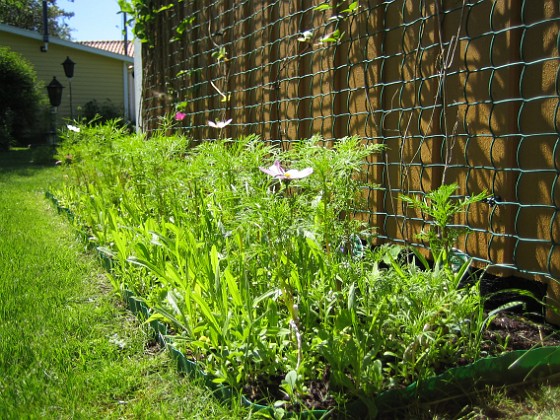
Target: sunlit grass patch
68, 348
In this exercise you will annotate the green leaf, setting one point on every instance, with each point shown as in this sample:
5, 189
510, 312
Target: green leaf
324, 6
291, 379
215, 261
421, 258
353, 6
264, 296
233, 288
332, 37
395, 265
166, 7
162, 313
126, 7
182, 27
505, 307
147, 264
106, 251
352, 297
207, 313
181, 106
183, 73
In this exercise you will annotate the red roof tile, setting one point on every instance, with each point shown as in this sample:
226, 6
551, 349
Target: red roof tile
116, 47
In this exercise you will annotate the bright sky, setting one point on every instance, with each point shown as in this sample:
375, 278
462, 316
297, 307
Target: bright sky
94, 20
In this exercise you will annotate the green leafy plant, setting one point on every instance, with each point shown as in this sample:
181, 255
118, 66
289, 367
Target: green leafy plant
440, 209
100, 113
253, 257
42, 155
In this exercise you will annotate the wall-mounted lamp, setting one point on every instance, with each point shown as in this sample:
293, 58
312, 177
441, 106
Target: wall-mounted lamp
68, 66
54, 89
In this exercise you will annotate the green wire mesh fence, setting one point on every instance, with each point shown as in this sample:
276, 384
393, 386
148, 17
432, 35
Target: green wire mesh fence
461, 91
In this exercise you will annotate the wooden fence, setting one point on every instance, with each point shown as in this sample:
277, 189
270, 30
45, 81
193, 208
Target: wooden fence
463, 91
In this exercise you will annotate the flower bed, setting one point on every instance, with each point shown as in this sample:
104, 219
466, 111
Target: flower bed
268, 283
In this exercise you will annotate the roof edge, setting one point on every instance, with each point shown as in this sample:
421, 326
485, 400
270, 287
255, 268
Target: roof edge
68, 44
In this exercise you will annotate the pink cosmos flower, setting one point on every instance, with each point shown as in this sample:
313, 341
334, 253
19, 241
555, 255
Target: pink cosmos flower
180, 116
278, 172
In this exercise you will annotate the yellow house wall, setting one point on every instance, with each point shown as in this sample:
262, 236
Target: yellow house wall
95, 76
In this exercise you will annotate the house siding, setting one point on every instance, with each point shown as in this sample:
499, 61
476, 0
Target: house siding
95, 76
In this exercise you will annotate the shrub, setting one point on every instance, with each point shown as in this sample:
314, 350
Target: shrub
42, 155
21, 100
94, 111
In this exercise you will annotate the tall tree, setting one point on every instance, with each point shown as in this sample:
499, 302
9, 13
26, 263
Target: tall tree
28, 14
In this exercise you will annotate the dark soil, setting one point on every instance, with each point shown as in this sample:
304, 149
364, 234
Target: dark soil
318, 396
509, 332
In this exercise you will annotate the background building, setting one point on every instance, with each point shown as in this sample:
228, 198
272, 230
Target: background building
101, 75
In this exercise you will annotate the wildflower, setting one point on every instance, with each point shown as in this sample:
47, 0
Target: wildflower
180, 116
67, 159
278, 172
219, 124
73, 128
305, 36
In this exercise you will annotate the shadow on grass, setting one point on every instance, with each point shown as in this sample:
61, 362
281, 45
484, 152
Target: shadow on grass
24, 161
531, 400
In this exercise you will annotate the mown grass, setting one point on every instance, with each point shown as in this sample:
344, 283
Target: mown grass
68, 348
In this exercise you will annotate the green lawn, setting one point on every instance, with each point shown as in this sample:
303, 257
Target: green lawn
68, 348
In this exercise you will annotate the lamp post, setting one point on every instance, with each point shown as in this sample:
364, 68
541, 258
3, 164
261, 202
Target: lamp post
69, 72
54, 89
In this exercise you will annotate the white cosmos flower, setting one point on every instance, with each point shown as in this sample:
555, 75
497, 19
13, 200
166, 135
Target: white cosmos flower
219, 124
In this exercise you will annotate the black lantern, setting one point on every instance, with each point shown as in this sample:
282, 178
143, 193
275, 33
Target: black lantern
68, 67
54, 89
69, 72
